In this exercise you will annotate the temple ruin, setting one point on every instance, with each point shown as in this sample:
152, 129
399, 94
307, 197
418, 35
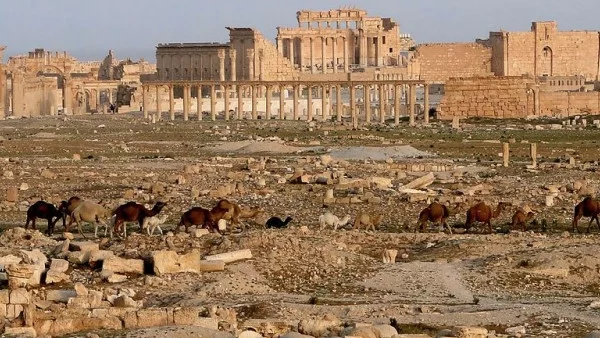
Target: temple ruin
46, 83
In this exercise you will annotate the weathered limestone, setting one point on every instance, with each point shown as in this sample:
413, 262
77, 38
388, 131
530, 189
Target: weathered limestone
389, 256
121, 265
505, 154
533, 154
230, 257
169, 262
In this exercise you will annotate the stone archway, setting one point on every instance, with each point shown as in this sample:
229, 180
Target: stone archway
546, 62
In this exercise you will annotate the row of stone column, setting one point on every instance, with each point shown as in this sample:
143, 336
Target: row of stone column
326, 92
324, 57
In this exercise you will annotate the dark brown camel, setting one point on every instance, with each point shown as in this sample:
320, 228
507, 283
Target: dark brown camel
586, 208
134, 212
198, 216
521, 218
437, 214
47, 211
483, 213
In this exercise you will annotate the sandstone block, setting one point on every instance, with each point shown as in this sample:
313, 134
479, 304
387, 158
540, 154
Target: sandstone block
99, 256
470, 332
152, 317
84, 246
79, 257
20, 296
121, 265
4, 296
420, 182
13, 310
59, 265
21, 332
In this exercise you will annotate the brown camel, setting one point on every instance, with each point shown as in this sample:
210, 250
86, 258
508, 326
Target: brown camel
437, 214
134, 212
521, 218
483, 213
198, 216
586, 208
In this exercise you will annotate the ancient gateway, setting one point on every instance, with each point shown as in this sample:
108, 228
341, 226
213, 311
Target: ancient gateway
316, 69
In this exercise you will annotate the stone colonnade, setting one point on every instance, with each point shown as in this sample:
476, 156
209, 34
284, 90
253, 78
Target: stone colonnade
384, 97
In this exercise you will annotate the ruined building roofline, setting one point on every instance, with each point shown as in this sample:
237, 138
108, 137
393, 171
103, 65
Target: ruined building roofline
192, 45
240, 29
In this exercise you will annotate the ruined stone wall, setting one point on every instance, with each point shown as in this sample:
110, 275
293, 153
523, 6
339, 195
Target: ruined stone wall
439, 62
546, 51
495, 97
565, 104
274, 65
40, 96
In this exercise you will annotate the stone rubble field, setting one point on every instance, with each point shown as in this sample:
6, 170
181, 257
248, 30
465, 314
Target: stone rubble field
300, 281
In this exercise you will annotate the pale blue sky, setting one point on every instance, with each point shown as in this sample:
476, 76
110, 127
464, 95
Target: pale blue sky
132, 28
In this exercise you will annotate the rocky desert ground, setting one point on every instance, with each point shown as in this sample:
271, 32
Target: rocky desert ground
318, 282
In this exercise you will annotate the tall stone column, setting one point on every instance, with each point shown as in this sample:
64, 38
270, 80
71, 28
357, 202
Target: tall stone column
353, 106
232, 66
536, 101
309, 105
3, 86
363, 49
291, 51
334, 52
323, 61
18, 99
186, 102
382, 103
261, 65
412, 98
221, 55
171, 103
426, 102
281, 102
226, 102
397, 97
254, 98
213, 103
312, 56
240, 109
367, 100
199, 103
145, 99
339, 104
300, 54
296, 104
68, 94
324, 110
250, 57
158, 107
346, 55
279, 43
379, 51
268, 97
98, 105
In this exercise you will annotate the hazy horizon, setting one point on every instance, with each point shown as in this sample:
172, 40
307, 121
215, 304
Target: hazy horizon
133, 28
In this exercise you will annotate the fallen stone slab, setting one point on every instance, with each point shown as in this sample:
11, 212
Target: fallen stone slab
121, 265
421, 182
168, 262
230, 257
96, 257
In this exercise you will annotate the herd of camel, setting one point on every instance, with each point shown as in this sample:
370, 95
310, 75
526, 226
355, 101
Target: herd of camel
80, 211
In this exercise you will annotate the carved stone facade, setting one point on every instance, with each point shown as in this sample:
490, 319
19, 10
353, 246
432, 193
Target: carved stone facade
340, 40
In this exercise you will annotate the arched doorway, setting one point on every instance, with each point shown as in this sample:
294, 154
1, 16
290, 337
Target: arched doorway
52, 101
546, 62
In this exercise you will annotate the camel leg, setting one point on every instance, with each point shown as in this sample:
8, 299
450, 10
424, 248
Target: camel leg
575, 221
597, 222
489, 223
445, 224
79, 228
590, 224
